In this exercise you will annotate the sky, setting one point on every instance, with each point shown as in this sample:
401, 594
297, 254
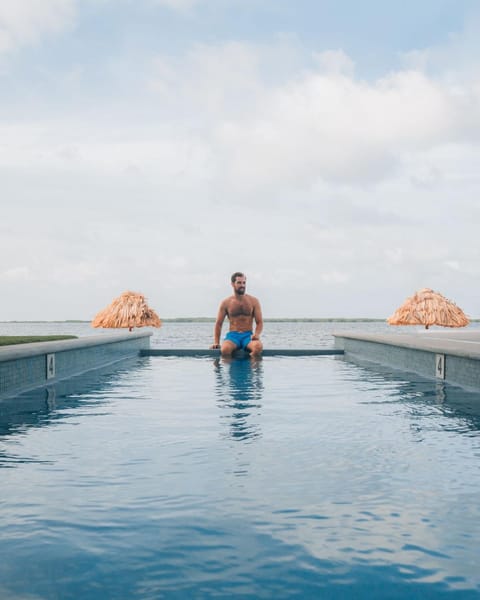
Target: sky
329, 149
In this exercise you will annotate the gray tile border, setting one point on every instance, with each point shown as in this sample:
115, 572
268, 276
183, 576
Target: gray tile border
27, 366
451, 356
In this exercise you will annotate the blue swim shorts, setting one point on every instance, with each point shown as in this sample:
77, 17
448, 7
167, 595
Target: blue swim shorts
239, 338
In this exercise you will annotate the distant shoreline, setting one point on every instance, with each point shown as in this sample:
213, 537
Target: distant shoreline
267, 320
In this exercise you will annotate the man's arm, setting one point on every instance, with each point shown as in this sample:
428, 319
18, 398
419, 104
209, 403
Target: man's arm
257, 315
222, 313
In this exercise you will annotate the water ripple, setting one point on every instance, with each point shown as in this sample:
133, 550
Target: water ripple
289, 478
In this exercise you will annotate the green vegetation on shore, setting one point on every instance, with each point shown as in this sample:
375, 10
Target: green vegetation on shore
267, 320
10, 340
281, 320
290, 320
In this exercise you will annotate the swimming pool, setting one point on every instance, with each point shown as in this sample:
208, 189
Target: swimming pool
282, 478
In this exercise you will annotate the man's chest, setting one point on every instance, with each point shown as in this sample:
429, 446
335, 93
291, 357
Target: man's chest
241, 308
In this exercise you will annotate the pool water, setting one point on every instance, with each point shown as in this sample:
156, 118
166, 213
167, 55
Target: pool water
282, 478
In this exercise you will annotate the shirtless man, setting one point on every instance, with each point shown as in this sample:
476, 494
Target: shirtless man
242, 310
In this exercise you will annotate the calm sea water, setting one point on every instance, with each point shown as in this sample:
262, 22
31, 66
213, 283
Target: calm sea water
283, 478
200, 335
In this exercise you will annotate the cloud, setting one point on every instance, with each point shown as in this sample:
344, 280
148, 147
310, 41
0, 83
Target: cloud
324, 123
15, 274
218, 116
209, 81
455, 60
319, 184
335, 62
27, 21
337, 128
178, 5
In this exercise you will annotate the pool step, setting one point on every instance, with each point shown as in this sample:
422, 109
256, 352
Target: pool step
240, 353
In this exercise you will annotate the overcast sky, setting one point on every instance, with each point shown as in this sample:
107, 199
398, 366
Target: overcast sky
330, 149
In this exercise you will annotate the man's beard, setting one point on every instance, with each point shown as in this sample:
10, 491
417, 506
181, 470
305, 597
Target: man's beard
241, 291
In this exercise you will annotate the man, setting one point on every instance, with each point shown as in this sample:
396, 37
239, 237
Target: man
242, 310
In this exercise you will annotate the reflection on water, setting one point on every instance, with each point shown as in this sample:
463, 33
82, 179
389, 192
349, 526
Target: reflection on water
287, 478
45, 406
239, 388
423, 398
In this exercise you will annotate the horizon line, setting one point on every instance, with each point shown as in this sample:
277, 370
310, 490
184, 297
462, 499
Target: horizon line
212, 320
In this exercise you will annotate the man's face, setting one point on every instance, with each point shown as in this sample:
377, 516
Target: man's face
239, 285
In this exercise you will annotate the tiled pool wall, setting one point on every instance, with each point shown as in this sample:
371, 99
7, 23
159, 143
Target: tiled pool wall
27, 366
457, 370
462, 370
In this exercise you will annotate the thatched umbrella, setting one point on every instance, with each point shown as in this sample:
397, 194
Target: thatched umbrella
128, 310
427, 307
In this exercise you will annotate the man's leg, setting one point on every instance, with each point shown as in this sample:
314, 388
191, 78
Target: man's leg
227, 348
255, 347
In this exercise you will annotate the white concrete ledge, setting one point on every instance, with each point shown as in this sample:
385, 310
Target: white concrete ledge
15, 351
455, 343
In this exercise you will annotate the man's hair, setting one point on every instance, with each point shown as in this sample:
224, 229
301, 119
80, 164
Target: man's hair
237, 274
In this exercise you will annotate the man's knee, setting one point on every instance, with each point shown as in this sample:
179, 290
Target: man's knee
255, 347
227, 348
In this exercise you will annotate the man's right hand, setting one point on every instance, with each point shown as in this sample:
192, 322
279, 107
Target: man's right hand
214, 346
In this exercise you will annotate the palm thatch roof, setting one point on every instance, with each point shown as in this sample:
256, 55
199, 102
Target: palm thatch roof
427, 307
130, 310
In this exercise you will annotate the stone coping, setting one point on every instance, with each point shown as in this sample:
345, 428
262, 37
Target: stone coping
16, 351
465, 344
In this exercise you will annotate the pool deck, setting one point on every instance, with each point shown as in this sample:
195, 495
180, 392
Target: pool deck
452, 355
